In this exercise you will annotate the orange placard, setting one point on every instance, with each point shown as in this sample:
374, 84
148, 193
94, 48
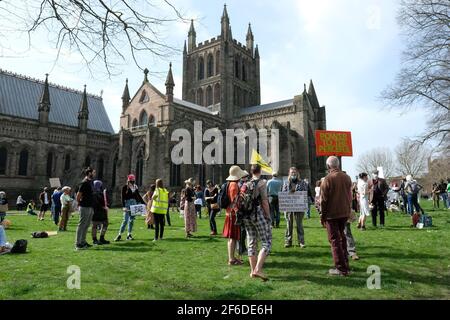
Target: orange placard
334, 143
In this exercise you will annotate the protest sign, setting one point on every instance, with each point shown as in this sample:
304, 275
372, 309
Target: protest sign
293, 201
55, 182
333, 143
138, 210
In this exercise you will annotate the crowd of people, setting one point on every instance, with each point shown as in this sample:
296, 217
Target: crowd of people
251, 205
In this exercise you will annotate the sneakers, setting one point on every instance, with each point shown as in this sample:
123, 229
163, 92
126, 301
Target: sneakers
96, 242
302, 245
103, 241
336, 272
118, 238
288, 245
130, 237
82, 247
355, 257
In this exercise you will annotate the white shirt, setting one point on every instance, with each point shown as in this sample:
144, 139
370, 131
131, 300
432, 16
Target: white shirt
46, 198
363, 188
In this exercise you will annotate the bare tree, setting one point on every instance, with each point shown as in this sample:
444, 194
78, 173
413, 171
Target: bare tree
101, 31
380, 157
424, 80
412, 158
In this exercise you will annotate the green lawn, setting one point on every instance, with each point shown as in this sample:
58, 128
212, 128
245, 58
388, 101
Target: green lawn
415, 264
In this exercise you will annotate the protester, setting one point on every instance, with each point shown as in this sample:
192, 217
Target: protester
231, 229
4, 247
412, 189
45, 201
241, 244
335, 204
448, 193
211, 195
190, 216
294, 184
182, 202
436, 192
56, 201
85, 200
150, 219
404, 195
317, 195
380, 189
31, 207
130, 197
258, 224
100, 217
198, 202
173, 201
355, 198
363, 194
443, 193
274, 186
66, 207
310, 199
160, 206
20, 203
3, 205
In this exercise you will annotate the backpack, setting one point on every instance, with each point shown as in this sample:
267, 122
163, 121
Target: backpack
414, 187
426, 220
20, 246
222, 199
246, 202
41, 234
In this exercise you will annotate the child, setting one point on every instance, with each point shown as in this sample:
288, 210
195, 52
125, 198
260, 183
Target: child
100, 218
66, 208
3, 206
31, 207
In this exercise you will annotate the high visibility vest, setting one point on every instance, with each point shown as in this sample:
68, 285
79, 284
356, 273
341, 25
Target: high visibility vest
160, 204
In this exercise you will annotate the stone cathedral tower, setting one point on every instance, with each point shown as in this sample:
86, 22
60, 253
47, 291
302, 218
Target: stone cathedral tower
221, 74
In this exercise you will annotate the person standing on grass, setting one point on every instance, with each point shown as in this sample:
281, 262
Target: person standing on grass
258, 225
45, 201
231, 230
150, 219
198, 202
274, 186
335, 205
448, 193
404, 195
241, 244
160, 207
85, 199
435, 190
363, 194
380, 189
190, 216
3, 205
443, 193
130, 197
295, 184
412, 189
56, 200
100, 217
211, 195
66, 208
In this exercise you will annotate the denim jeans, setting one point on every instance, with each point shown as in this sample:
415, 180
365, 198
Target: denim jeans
56, 214
445, 199
128, 219
413, 203
2, 236
274, 211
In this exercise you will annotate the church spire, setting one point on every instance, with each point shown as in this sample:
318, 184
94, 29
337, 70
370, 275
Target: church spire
312, 94
184, 48
83, 113
192, 37
256, 52
250, 38
170, 84
44, 102
125, 97
225, 22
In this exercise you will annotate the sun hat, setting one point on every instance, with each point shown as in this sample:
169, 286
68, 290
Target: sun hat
66, 188
236, 173
189, 181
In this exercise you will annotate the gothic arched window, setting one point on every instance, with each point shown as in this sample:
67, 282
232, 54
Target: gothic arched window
217, 62
135, 123
210, 65
23, 163
144, 97
209, 96
200, 97
49, 164
100, 167
139, 168
152, 121
87, 162
236, 67
244, 72
67, 162
201, 68
3, 160
114, 170
217, 93
143, 118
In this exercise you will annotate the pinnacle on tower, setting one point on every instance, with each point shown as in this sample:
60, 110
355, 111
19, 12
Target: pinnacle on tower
83, 113
145, 75
44, 102
170, 84
125, 97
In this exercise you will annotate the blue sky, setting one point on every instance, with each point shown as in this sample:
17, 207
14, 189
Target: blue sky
350, 49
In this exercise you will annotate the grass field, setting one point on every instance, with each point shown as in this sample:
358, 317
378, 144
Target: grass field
415, 264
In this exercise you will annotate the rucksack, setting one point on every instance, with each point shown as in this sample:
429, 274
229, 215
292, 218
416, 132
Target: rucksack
414, 187
20, 246
222, 199
246, 202
41, 234
426, 220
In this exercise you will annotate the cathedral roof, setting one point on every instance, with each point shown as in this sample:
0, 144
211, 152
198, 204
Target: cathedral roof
20, 96
266, 107
193, 106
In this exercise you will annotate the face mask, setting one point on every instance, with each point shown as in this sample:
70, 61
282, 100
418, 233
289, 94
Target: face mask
294, 178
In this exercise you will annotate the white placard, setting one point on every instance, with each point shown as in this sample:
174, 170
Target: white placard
138, 210
293, 201
380, 172
55, 182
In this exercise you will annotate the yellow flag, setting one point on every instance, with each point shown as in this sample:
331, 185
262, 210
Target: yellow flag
257, 159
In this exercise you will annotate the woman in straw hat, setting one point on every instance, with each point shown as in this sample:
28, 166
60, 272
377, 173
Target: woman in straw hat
190, 216
230, 229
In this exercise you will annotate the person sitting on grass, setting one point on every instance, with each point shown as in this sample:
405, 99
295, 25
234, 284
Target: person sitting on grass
4, 247
3, 205
159, 208
100, 217
66, 207
31, 207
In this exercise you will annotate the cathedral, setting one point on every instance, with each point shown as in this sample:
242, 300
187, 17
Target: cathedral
51, 131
